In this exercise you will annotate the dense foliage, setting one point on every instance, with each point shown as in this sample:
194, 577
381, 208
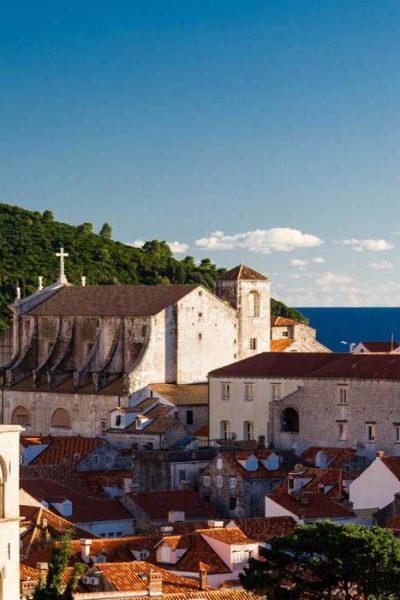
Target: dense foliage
55, 586
29, 241
327, 560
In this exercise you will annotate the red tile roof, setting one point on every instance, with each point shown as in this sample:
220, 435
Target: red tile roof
264, 529
315, 365
157, 504
380, 346
112, 300
182, 395
394, 523
200, 555
131, 576
242, 272
233, 458
336, 457
393, 464
280, 345
60, 449
311, 505
84, 508
230, 535
283, 322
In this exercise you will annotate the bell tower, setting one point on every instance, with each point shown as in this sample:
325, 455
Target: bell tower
249, 294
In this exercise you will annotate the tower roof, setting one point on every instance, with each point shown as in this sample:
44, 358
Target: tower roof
242, 272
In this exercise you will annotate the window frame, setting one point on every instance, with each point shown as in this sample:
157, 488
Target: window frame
370, 426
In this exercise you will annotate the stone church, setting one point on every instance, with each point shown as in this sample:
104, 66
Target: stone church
80, 351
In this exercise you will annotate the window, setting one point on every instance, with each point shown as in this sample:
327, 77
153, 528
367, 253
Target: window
290, 420
342, 395
248, 391
219, 481
103, 426
225, 429
276, 391
61, 419
254, 304
370, 432
253, 343
200, 315
199, 336
285, 334
238, 556
342, 431
248, 431
396, 432
232, 502
181, 475
189, 417
232, 482
95, 459
118, 420
20, 416
226, 391
206, 480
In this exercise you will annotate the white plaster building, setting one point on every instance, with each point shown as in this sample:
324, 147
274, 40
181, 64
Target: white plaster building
80, 351
376, 487
9, 512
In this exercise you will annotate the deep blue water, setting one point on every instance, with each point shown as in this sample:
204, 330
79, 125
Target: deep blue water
353, 325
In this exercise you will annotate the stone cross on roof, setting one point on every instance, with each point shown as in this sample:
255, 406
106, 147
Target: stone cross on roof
61, 255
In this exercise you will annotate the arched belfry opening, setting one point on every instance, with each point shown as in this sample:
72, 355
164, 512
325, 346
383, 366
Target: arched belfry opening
290, 420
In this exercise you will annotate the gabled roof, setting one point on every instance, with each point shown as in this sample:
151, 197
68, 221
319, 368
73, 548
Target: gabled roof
316, 365
393, 464
264, 529
130, 576
310, 505
231, 535
380, 346
84, 508
59, 448
283, 322
156, 505
112, 300
182, 395
336, 457
200, 555
241, 272
233, 458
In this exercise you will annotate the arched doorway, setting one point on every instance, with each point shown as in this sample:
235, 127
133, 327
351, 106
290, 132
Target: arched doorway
290, 420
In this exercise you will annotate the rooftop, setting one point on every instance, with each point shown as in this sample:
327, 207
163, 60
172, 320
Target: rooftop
158, 504
310, 505
242, 272
182, 395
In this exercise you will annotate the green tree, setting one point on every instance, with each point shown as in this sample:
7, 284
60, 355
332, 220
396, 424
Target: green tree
327, 560
54, 587
106, 232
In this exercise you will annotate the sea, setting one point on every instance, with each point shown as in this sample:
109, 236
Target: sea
337, 328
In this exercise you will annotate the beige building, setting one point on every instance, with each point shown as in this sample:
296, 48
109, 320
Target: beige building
9, 511
80, 351
288, 335
301, 400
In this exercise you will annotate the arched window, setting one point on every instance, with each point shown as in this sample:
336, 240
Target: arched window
20, 416
290, 420
3, 479
61, 418
248, 431
225, 429
254, 302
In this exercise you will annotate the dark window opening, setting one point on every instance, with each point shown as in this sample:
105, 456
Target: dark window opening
189, 417
232, 503
290, 420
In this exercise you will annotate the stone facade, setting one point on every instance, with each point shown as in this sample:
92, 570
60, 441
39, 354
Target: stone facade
9, 511
88, 349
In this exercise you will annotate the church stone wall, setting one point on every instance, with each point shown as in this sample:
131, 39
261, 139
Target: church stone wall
6, 346
86, 411
207, 330
368, 401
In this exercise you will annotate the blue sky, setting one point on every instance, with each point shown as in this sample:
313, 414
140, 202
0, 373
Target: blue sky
263, 132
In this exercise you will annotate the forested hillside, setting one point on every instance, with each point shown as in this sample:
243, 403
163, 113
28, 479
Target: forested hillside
29, 241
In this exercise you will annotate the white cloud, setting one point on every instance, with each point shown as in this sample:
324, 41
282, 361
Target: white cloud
329, 278
262, 241
299, 262
137, 243
178, 247
372, 245
383, 265
318, 260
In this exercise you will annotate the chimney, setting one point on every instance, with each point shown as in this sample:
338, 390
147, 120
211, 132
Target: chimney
155, 584
202, 579
321, 488
43, 568
85, 549
380, 454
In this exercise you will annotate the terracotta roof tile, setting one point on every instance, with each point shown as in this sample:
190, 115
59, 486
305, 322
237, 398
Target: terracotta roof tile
380, 346
112, 300
263, 529
311, 506
283, 322
200, 555
73, 448
128, 576
242, 272
84, 508
221, 594
28, 573
280, 345
182, 395
336, 457
262, 472
230, 535
157, 504
393, 464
